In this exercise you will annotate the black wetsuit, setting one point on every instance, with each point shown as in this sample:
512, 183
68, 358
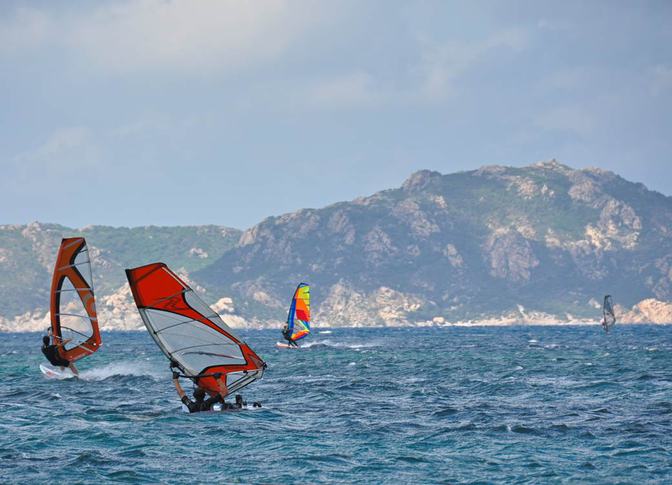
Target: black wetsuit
288, 337
205, 405
51, 353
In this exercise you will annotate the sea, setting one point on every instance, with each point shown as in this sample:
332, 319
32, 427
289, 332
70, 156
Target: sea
518, 404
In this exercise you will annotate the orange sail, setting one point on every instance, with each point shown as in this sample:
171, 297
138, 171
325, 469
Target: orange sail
189, 332
73, 305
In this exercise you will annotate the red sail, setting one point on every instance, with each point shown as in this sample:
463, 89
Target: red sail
73, 305
189, 332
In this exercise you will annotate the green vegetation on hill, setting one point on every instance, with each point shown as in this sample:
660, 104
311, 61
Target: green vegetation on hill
544, 238
543, 241
28, 252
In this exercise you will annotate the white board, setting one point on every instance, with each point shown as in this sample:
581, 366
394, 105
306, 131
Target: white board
55, 372
281, 345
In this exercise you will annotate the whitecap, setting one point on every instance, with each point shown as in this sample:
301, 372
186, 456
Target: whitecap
339, 345
124, 368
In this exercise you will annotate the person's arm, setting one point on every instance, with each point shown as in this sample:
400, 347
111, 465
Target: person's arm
191, 406
178, 387
62, 342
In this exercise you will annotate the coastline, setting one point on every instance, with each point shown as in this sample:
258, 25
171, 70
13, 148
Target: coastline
473, 324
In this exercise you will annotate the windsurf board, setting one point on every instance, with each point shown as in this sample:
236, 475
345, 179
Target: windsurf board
54, 373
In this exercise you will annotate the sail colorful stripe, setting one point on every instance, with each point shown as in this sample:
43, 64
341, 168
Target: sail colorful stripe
298, 319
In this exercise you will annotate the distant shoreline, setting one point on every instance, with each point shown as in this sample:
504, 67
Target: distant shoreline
452, 325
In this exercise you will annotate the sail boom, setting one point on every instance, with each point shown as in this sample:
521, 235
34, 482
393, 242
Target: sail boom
75, 315
75, 265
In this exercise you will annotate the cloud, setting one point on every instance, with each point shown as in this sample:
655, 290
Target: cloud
62, 141
141, 35
182, 38
442, 64
430, 77
65, 152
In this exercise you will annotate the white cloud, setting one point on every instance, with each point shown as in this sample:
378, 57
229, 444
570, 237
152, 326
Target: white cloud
431, 77
65, 152
138, 35
442, 64
187, 38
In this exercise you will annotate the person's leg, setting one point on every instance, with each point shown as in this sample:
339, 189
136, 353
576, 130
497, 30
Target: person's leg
74, 369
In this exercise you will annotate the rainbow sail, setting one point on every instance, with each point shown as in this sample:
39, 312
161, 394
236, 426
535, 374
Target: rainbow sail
298, 320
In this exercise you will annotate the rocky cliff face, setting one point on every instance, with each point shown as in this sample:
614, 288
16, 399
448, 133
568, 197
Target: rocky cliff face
475, 246
498, 245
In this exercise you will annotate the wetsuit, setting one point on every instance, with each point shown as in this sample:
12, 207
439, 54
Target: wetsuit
52, 355
288, 337
205, 405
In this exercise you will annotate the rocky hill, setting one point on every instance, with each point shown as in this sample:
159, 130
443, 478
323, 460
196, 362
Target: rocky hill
28, 252
498, 245
541, 243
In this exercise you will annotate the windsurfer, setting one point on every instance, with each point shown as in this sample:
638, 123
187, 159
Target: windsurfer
51, 352
200, 403
608, 315
287, 334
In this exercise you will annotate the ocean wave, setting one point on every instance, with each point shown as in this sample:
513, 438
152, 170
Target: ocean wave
122, 369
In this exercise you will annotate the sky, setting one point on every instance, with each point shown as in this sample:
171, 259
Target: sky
149, 112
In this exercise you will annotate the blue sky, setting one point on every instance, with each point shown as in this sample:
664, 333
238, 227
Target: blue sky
180, 112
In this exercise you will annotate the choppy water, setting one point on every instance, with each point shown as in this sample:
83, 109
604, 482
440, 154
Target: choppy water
437, 405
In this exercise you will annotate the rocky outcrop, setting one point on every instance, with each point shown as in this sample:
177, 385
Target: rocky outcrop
345, 306
648, 311
466, 247
510, 255
28, 252
498, 245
